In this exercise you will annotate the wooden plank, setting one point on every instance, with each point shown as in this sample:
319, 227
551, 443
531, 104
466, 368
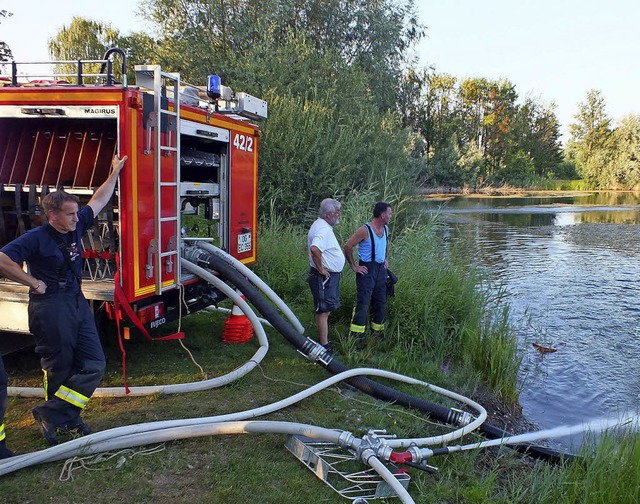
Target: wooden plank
5, 133
57, 148
23, 155
70, 158
87, 158
39, 155
9, 156
103, 159
3, 232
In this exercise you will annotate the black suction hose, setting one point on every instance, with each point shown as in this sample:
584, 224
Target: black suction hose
435, 411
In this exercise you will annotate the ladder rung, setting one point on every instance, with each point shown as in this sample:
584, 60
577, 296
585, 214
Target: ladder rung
169, 112
169, 253
168, 184
167, 148
168, 219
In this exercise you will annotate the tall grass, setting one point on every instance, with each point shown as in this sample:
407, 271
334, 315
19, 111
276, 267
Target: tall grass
282, 258
442, 310
544, 184
440, 313
608, 471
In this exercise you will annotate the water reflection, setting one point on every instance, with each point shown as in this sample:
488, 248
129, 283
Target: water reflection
572, 267
576, 199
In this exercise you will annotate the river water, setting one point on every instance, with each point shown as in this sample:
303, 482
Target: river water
571, 266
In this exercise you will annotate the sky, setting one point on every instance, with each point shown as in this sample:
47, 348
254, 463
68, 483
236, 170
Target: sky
553, 50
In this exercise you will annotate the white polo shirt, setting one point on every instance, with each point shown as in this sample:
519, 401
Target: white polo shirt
321, 235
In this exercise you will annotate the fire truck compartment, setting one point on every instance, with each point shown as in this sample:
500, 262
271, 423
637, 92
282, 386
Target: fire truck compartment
75, 153
40, 154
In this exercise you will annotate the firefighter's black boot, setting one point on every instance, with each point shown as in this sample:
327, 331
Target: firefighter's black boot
81, 428
4, 451
48, 429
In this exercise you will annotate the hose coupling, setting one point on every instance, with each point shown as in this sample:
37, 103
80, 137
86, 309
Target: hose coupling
196, 255
366, 455
383, 451
418, 454
315, 352
459, 417
347, 440
375, 440
412, 454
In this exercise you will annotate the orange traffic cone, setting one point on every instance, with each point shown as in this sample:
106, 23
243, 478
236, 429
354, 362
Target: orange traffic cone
237, 328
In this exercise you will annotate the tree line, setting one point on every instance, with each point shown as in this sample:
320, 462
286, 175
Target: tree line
349, 108
605, 156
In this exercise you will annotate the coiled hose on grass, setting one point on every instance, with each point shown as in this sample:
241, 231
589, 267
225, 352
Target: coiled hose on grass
307, 347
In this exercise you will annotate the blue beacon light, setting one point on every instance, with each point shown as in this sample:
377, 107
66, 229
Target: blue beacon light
214, 86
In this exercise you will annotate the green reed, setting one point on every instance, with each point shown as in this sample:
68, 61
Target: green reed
441, 311
607, 471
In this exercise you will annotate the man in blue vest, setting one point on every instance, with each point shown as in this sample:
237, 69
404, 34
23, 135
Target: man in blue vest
60, 319
371, 270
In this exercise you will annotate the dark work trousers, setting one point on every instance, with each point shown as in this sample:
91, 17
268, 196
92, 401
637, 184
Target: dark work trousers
372, 291
70, 352
3, 397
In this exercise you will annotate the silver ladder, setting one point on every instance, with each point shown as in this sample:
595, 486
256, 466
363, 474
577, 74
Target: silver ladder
164, 253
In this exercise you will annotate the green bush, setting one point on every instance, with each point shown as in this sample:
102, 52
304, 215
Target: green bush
311, 150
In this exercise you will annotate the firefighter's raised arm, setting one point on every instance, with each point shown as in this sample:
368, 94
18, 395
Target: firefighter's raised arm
103, 193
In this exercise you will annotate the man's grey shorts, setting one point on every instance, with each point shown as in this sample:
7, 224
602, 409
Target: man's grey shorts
325, 291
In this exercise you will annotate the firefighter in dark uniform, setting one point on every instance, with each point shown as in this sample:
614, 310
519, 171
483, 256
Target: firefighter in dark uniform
371, 270
59, 316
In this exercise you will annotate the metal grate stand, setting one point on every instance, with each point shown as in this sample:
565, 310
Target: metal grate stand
341, 471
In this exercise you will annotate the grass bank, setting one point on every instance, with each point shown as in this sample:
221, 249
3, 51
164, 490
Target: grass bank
444, 328
442, 315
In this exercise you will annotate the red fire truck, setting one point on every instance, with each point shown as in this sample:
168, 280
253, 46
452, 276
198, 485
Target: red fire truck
191, 174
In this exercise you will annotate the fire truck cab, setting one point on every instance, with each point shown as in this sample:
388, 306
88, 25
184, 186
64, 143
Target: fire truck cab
191, 174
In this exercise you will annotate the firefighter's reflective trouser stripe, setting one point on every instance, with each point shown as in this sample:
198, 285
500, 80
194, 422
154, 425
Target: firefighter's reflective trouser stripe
71, 396
372, 293
358, 329
70, 353
3, 398
377, 327
45, 384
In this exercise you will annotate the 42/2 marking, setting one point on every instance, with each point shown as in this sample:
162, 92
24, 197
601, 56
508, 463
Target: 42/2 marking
243, 142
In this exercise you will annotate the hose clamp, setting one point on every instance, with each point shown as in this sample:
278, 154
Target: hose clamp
459, 417
315, 352
347, 440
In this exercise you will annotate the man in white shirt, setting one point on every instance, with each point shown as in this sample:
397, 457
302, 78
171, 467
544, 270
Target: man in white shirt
326, 259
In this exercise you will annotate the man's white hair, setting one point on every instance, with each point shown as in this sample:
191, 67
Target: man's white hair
328, 205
